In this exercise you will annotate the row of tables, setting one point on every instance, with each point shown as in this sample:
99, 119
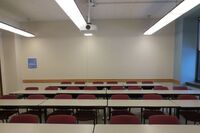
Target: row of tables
107, 92
99, 128
99, 104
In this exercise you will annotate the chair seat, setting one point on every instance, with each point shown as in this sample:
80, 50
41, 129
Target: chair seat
148, 113
191, 115
85, 115
121, 112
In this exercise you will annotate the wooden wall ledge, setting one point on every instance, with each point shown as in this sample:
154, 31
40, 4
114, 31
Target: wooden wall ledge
94, 80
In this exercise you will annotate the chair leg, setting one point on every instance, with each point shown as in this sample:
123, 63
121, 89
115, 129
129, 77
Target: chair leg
185, 121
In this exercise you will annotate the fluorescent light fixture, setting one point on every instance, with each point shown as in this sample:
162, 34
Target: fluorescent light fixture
178, 11
71, 9
15, 30
88, 34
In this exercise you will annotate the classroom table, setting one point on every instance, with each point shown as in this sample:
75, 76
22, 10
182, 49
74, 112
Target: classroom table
189, 104
119, 128
141, 104
75, 103
20, 103
170, 93
46, 128
54, 92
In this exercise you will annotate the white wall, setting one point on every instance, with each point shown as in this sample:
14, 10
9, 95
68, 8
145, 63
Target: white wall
117, 50
9, 69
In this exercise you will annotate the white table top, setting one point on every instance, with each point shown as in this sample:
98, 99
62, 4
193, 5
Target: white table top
35, 92
111, 128
59, 92
83, 91
20, 102
75, 102
141, 103
187, 103
46, 128
175, 92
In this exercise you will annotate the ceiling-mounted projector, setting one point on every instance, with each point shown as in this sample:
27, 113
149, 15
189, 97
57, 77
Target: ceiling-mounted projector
89, 27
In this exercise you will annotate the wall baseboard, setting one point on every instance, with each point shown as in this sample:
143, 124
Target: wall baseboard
93, 80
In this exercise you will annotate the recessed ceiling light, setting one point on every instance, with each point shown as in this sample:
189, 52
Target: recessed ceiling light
15, 30
178, 11
71, 9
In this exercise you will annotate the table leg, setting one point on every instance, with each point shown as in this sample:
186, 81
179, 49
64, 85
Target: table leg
105, 117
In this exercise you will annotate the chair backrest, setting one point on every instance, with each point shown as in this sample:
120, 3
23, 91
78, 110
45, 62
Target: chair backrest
63, 96
8, 97
134, 88
161, 88
117, 88
36, 96
73, 88
163, 119
79, 82
152, 97
147, 82
66, 82
180, 88
90, 88
61, 119
97, 82
86, 96
131, 82
24, 118
111, 82
52, 88
32, 88
120, 96
124, 119
187, 97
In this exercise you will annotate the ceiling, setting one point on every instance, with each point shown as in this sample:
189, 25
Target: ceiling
48, 10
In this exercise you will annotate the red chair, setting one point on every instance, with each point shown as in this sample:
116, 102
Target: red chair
62, 110
24, 118
112, 82
180, 88
6, 112
97, 82
120, 110
63, 96
163, 119
8, 97
149, 87
66, 82
189, 114
73, 88
52, 88
36, 96
151, 111
79, 82
187, 97
161, 88
61, 119
131, 82
120, 97
31, 88
134, 88
117, 88
85, 113
90, 88
35, 111
124, 119
147, 82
